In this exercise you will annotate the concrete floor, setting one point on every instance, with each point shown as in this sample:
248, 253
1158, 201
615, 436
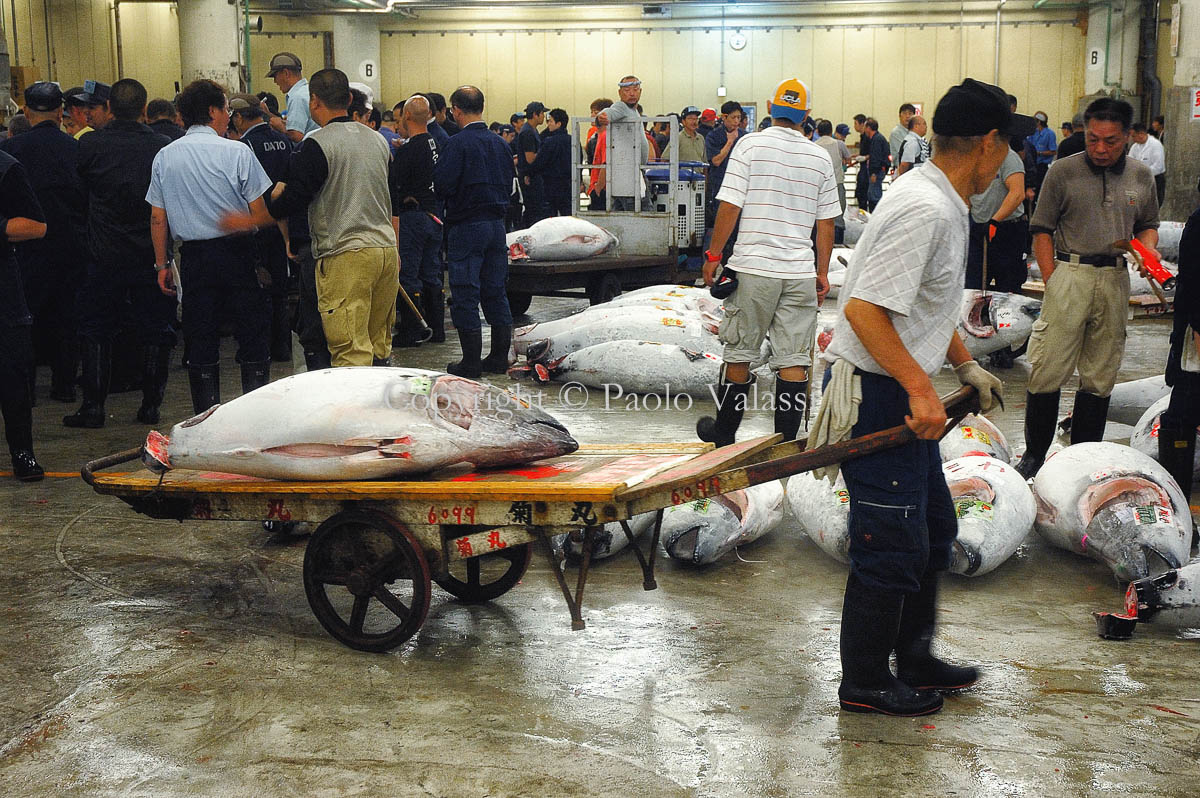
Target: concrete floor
153, 658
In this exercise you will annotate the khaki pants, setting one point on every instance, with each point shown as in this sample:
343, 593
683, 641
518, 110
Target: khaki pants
1082, 326
356, 296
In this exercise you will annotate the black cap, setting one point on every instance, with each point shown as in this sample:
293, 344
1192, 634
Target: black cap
44, 96
507, 129
284, 60
691, 109
534, 108
75, 97
516, 116
96, 92
973, 108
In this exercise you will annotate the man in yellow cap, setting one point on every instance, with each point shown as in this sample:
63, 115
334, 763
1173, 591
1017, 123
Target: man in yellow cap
781, 185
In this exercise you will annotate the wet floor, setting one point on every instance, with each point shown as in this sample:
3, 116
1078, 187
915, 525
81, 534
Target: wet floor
154, 658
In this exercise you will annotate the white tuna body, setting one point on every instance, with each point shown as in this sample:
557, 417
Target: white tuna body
609, 539
689, 332
641, 367
823, 512
619, 318
991, 321
975, 435
1145, 433
701, 532
995, 511
563, 238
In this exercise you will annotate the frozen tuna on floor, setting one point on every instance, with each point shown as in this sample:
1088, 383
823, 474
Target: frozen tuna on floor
823, 511
995, 511
975, 434
361, 423
1116, 505
674, 297
991, 321
689, 332
620, 318
1169, 234
703, 531
560, 238
1145, 433
608, 540
856, 221
1169, 599
633, 367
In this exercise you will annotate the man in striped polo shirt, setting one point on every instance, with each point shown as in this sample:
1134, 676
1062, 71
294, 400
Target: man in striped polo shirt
780, 184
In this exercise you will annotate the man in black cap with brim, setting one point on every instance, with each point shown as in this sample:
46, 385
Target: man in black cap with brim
896, 328
529, 141
53, 267
98, 94
75, 106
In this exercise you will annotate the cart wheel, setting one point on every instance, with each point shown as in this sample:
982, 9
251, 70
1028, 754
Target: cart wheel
518, 302
488, 576
357, 556
603, 287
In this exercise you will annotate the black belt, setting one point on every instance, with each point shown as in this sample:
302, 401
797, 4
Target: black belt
1089, 260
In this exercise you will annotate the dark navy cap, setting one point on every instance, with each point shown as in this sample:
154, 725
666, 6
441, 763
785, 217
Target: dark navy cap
76, 97
44, 96
973, 108
691, 109
97, 93
534, 108
842, 129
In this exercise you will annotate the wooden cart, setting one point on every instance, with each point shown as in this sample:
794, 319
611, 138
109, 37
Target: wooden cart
369, 565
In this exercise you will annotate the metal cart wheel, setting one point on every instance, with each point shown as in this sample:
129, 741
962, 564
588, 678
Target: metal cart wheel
518, 302
488, 576
603, 287
357, 556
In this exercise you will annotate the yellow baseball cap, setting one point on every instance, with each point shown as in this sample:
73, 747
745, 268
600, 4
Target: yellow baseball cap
791, 101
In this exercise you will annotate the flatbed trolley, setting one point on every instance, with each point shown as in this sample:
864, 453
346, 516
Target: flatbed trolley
369, 565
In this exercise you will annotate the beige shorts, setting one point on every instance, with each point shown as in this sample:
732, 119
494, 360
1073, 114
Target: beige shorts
786, 309
1082, 326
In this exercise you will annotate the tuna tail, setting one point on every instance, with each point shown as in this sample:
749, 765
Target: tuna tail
154, 453
517, 252
1143, 599
521, 372
535, 351
545, 372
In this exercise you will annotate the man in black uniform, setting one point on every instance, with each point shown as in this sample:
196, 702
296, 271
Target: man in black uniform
21, 219
419, 231
529, 141
52, 267
274, 152
1177, 430
160, 117
553, 164
114, 165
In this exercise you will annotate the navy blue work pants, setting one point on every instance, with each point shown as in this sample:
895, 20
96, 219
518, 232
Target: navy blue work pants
114, 291
420, 244
902, 520
219, 276
478, 266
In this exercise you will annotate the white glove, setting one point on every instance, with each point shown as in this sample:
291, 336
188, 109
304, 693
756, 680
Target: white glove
987, 384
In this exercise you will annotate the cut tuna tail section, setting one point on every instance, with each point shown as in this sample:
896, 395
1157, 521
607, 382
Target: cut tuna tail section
154, 453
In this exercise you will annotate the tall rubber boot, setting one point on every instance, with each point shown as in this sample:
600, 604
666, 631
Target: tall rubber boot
916, 665
97, 370
790, 399
155, 363
281, 330
255, 375
870, 624
435, 313
65, 370
1088, 418
731, 406
315, 361
1177, 453
470, 367
1041, 414
17, 406
205, 382
497, 360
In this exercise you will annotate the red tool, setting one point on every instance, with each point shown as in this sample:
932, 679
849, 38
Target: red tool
1155, 268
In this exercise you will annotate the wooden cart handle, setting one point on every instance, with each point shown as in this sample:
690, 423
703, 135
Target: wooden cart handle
87, 472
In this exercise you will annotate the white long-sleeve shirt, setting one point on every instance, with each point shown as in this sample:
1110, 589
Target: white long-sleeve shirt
1151, 153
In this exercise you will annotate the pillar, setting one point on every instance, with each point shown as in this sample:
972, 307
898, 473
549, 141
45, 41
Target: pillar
1180, 106
209, 42
356, 49
1112, 47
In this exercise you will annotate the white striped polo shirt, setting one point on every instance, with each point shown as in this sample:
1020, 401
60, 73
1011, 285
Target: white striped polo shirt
783, 183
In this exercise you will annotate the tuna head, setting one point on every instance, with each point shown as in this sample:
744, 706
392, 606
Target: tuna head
969, 496
1129, 525
701, 531
499, 425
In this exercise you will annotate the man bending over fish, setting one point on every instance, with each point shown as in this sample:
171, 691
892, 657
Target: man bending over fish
896, 328
780, 184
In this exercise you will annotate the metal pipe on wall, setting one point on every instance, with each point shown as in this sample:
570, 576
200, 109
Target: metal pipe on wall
996, 77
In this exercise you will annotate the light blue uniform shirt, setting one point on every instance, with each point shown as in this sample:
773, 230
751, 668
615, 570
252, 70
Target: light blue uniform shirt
297, 109
199, 178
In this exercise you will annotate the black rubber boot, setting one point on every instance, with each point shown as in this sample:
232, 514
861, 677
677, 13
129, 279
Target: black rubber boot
65, 370
281, 330
97, 369
916, 665
1088, 418
381, 361
255, 375
435, 313
408, 326
1177, 453
472, 348
790, 399
497, 360
26, 467
870, 623
1041, 414
17, 407
731, 406
205, 382
155, 362
315, 361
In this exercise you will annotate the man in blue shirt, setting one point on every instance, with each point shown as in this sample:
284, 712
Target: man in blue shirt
719, 143
286, 72
1043, 147
474, 175
193, 183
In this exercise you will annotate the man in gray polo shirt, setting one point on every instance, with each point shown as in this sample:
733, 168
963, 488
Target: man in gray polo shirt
1087, 202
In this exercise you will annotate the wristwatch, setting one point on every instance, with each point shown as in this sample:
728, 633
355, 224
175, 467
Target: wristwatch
166, 265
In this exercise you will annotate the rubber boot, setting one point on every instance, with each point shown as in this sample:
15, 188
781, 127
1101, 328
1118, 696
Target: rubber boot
315, 361
381, 361
472, 347
790, 400
97, 370
205, 382
65, 370
916, 665
1088, 418
255, 375
435, 313
17, 406
155, 362
731, 406
281, 330
26, 467
497, 360
408, 327
1177, 452
1041, 414
870, 624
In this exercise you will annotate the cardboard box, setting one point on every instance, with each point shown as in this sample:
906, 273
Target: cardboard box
22, 78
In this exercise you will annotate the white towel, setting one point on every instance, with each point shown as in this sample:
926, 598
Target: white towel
838, 413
